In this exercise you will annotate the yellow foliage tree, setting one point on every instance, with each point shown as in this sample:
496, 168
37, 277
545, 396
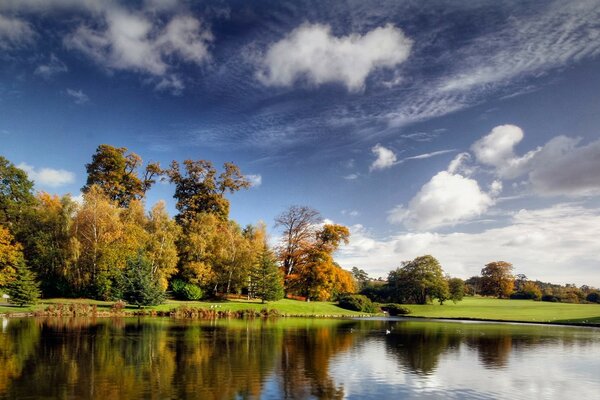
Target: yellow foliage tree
11, 255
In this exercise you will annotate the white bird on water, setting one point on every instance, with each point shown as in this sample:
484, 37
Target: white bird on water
387, 331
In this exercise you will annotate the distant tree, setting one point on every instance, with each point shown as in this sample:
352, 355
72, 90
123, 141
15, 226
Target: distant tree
497, 279
299, 224
593, 297
361, 277
473, 286
456, 288
418, 281
139, 285
198, 189
266, 277
530, 291
24, 289
116, 172
15, 195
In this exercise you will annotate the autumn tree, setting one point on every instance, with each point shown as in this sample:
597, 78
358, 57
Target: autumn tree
418, 281
200, 189
48, 243
11, 256
161, 249
15, 194
299, 224
97, 229
117, 172
497, 279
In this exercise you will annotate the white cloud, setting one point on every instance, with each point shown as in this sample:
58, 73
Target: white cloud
447, 199
78, 96
55, 66
136, 41
351, 177
558, 244
313, 53
48, 176
351, 213
255, 179
14, 32
428, 155
386, 158
560, 167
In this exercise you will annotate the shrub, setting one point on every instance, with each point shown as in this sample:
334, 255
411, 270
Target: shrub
357, 302
394, 309
551, 298
593, 297
186, 291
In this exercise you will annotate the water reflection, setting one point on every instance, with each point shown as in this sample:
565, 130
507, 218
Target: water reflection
290, 358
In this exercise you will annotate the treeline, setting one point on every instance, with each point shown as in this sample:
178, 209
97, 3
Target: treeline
109, 247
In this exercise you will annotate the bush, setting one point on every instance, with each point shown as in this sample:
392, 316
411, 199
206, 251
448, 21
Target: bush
186, 291
551, 298
593, 297
357, 302
395, 309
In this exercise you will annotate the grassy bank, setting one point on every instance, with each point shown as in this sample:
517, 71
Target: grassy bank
284, 307
511, 310
469, 308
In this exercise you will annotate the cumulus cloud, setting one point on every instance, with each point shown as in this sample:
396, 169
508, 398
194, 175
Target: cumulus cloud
48, 176
313, 53
560, 167
386, 158
78, 96
446, 199
14, 32
53, 67
255, 179
558, 244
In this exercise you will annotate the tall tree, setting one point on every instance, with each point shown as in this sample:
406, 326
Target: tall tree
117, 173
418, 281
48, 243
97, 229
15, 194
361, 277
497, 279
299, 224
266, 277
162, 245
456, 288
198, 189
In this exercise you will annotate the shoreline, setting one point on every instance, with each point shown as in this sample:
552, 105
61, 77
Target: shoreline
253, 315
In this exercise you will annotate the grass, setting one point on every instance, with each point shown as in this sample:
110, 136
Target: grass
285, 306
510, 310
469, 308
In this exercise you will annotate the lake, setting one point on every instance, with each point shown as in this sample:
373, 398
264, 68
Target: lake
162, 358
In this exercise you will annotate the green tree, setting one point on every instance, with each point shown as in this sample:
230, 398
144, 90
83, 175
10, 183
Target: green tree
24, 289
15, 194
116, 172
266, 277
456, 287
140, 287
418, 281
198, 189
361, 277
497, 279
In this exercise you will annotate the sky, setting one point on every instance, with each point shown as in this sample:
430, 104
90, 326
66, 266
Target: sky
464, 130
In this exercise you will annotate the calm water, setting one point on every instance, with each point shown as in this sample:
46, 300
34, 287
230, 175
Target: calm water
295, 359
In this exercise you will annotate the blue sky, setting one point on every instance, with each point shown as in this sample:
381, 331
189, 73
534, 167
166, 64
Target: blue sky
467, 130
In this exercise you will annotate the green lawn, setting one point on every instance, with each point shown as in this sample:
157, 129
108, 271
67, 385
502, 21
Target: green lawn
469, 308
510, 310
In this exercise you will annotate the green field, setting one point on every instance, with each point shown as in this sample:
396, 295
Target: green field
469, 308
511, 310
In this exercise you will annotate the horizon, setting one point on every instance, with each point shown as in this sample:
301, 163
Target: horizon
464, 131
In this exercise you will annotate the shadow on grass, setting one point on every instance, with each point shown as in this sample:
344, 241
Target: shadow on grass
592, 321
